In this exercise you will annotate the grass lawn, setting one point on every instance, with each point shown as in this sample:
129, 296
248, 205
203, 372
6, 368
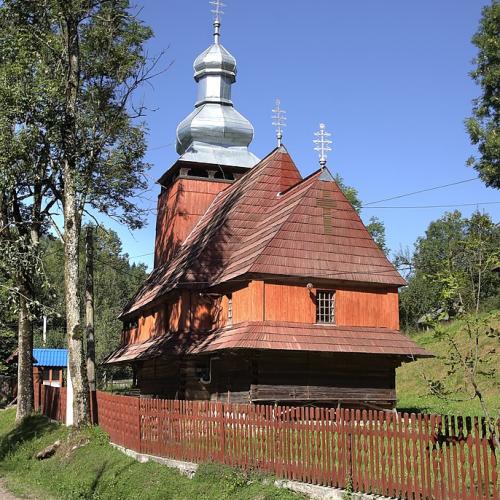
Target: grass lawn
412, 389
95, 470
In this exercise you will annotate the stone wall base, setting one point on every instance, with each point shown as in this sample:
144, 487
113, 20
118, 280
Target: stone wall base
312, 491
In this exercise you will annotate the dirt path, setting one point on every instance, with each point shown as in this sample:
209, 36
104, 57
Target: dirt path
4, 494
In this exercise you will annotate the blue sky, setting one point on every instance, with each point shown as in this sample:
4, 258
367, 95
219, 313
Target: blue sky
389, 78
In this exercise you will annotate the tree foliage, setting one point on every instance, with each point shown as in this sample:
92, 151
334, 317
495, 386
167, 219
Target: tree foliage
484, 124
69, 70
115, 280
27, 176
452, 268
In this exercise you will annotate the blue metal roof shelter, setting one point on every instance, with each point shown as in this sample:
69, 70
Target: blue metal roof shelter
50, 357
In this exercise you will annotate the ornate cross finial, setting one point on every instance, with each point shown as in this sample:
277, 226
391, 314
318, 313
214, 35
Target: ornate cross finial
279, 120
217, 12
322, 144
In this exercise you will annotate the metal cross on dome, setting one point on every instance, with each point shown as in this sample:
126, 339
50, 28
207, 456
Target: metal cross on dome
217, 12
322, 144
279, 120
217, 9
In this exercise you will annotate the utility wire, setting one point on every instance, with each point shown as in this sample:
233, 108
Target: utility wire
422, 191
141, 255
439, 206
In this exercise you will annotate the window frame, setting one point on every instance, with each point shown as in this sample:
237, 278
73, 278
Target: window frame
229, 309
325, 307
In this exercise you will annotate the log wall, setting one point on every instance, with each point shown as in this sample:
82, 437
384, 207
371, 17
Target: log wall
355, 380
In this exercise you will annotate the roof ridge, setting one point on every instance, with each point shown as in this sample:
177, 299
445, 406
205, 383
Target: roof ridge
308, 177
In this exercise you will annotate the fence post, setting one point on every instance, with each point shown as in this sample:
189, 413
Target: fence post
349, 446
222, 432
139, 426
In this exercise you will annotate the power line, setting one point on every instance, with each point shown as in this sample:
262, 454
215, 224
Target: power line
422, 191
439, 206
141, 255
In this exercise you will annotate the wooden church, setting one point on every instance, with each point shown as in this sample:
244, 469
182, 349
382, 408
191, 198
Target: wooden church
266, 287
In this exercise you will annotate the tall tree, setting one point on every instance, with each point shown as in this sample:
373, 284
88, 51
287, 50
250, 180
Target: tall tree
451, 268
110, 266
26, 176
96, 61
484, 124
103, 63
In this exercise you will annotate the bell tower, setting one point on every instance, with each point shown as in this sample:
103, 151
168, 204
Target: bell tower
212, 142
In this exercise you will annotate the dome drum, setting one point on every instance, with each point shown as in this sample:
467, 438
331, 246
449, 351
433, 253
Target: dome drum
214, 89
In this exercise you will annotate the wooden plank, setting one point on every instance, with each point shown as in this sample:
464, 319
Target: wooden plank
424, 492
367, 308
470, 456
399, 456
478, 462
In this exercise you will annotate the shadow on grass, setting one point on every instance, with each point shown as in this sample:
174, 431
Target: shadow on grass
30, 428
97, 479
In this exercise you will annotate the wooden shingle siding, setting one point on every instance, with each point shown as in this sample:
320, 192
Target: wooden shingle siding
248, 302
180, 207
289, 303
367, 308
253, 225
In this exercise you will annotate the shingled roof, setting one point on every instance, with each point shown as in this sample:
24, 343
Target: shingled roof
273, 222
274, 335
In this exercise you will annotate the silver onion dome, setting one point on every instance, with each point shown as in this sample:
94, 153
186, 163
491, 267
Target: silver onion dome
215, 59
215, 132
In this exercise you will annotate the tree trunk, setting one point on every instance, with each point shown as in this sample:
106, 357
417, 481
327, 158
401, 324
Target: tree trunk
25, 388
89, 322
72, 228
74, 328
89, 307
24, 359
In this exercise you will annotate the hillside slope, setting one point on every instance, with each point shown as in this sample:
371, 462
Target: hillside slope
413, 390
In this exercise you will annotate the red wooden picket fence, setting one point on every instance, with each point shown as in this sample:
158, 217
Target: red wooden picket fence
387, 453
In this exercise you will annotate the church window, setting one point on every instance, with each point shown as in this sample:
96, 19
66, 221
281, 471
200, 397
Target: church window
129, 325
197, 172
325, 307
230, 309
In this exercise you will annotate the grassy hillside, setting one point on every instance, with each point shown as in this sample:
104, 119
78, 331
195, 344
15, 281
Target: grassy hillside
87, 467
413, 391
